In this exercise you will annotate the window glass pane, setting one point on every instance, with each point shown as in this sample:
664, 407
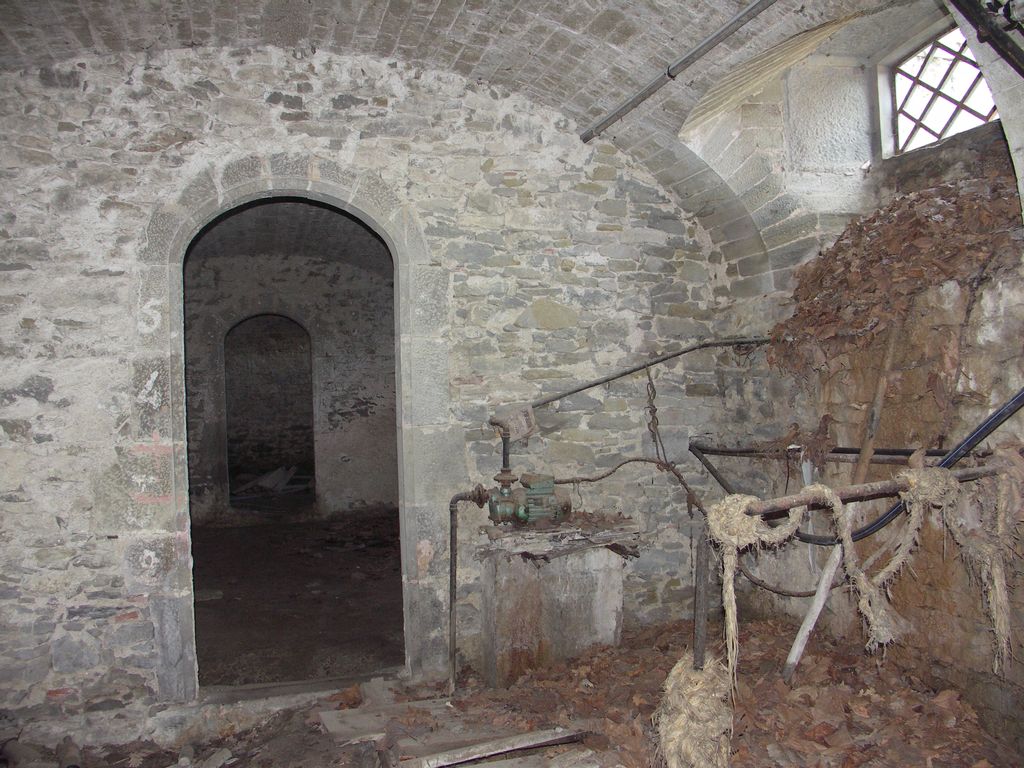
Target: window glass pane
964, 122
904, 125
902, 84
917, 102
912, 66
981, 99
936, 67
960, 80
938, 114
921, 138
953, 39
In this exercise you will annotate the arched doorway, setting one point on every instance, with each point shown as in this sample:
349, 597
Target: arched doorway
292, 445
268, 393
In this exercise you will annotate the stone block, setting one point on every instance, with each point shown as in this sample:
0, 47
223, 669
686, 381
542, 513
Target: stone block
425, 540
738, 249
74, 653
426, 636
176, 672
424, 292
151, 401
151, 310
548, 315
201, 189
793, 254
434, 464
152, 561
753, 265
161, 234
563, 453
410, 245
796, 227
425, 381
242, 171
134, 493
749, 287
375, 198
341, 180
291, 166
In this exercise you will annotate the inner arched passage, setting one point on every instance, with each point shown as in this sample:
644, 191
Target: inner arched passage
292, 445
268, 393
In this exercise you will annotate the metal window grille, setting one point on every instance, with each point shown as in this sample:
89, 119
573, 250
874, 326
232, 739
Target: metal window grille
939, 91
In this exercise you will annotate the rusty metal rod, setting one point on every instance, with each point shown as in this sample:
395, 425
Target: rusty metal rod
673, 70
862, 492
738, 342
715, 450
839, 458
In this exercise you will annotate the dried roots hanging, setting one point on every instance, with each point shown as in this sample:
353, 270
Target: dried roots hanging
733, 529
983, 530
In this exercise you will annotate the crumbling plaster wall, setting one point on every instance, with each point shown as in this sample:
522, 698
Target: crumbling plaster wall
344, 299
524, 262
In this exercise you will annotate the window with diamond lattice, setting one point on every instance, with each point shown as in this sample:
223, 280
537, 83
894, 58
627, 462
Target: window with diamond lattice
939, 91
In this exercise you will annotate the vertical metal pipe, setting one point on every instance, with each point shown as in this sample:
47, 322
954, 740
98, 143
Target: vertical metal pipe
478, 496
700, 593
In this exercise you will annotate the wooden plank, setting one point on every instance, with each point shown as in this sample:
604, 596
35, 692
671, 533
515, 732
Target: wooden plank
496, 747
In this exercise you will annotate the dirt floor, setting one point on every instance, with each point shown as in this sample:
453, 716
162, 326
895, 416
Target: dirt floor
845, 710
279, 602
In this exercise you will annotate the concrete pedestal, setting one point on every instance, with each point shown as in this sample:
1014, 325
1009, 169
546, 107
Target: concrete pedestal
544, 600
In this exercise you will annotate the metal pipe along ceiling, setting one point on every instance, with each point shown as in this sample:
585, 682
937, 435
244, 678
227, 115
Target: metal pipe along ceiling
672, 71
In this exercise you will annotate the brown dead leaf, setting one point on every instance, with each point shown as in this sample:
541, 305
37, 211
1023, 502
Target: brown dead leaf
820, 733
947, 699
348, 698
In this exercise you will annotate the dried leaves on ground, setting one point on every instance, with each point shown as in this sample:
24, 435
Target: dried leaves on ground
846, 709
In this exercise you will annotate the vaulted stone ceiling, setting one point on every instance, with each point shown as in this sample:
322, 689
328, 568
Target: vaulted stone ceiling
582, 57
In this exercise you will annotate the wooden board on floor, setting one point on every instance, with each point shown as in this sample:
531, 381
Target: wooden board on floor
419, 727
495, 748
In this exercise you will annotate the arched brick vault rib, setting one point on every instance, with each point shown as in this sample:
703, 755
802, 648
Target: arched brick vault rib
699, 190
428, 451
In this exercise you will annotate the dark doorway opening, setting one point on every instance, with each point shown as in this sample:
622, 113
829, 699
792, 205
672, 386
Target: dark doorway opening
268, 391
292, 446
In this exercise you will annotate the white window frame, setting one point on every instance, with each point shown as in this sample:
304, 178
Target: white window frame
884, 96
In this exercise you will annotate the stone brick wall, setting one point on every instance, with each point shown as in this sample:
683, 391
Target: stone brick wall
524, 262
326, 271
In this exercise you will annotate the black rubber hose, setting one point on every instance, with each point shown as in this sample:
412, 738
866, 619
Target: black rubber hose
968, 444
